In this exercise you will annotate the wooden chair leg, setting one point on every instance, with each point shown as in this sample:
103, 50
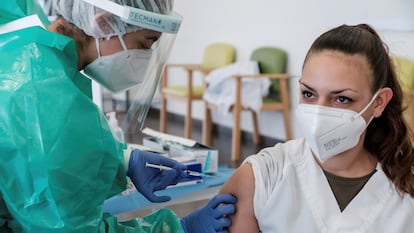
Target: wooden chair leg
286, 119
163, 115
207, 124
236, 137
188, 120
286, 112
256, 134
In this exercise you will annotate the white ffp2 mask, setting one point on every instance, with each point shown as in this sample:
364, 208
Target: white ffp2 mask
330, 131
121, 70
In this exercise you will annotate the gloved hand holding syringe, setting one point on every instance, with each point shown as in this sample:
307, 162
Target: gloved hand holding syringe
151, 172
162, 167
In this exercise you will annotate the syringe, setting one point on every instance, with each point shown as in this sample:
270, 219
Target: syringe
162, 167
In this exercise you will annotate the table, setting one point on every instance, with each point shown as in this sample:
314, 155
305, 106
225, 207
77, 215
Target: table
132, 201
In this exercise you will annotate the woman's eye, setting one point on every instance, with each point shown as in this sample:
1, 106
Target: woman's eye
343, 100
307, 94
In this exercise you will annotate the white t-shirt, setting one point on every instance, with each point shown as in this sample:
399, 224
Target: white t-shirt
293, 195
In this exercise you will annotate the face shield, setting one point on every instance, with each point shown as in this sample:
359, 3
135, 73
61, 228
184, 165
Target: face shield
140, 69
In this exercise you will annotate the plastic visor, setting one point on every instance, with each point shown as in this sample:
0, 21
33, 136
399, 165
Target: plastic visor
142, 18
143, 93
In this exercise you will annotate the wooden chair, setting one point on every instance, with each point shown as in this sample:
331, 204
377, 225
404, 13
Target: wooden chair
215, 55
405, 72
272, 63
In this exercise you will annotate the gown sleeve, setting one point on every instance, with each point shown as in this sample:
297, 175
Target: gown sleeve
14, 9
58, 158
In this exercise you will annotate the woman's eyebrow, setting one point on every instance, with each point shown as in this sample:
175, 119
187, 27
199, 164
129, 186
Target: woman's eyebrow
305, 85
152, 35
343, 90
333, 92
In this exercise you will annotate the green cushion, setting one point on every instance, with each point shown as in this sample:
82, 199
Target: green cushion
271, 60
405, 72
182, 90
218, 55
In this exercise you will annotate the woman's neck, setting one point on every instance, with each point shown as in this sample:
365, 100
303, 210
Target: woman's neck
352, 163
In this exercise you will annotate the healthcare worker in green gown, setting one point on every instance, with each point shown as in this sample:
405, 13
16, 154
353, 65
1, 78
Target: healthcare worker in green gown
59, 159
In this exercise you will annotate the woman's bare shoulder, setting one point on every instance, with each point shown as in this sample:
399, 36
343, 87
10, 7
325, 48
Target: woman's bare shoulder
241, 180
241, 185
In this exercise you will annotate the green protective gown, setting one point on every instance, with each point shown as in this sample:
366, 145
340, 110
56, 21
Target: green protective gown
58, 158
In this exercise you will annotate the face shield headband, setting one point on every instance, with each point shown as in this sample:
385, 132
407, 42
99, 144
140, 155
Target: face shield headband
158, 22
143, 93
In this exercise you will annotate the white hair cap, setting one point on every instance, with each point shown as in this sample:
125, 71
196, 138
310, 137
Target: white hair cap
102, 24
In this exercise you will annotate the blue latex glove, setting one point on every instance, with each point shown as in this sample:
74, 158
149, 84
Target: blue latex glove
211, 217
147, 180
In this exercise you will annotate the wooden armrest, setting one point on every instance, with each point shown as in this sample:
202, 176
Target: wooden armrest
190, 67
281, 76
270, 76
185, 66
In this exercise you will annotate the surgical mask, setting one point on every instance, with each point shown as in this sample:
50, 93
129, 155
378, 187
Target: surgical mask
330, 131
121, 70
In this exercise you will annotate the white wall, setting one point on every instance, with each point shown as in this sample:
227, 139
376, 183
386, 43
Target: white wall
291, 25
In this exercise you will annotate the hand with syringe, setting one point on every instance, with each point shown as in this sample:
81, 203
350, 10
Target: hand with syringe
162, 167
150, 172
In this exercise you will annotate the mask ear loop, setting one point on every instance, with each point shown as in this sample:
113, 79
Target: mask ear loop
97, 47
121, 40
367, 106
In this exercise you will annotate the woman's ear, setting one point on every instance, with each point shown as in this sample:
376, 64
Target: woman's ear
59, 26
383, 98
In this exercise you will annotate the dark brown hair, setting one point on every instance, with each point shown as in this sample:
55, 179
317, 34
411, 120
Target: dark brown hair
68, 29
387, 136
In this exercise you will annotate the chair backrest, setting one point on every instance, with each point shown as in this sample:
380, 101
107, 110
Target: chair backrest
405, 71
270, 60
218, 55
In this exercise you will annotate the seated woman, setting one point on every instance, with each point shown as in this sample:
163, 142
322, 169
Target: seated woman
353, 170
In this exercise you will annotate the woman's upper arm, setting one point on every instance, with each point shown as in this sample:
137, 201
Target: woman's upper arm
242, 184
